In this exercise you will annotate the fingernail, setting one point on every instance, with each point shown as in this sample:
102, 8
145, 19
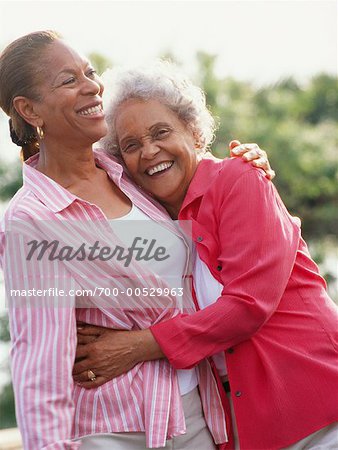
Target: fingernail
80, 328
236, 150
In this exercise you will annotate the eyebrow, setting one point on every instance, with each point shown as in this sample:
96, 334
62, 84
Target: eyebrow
151, 128
158, 124
70, 70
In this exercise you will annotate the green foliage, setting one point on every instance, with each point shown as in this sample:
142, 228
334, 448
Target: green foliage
4, 329
7, 407
10, 180
170, 57
207, 79
100, 62
321, 101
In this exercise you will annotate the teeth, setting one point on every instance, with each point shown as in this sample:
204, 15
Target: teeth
91, 111
159, 168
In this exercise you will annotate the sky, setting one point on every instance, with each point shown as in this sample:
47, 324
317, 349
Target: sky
258, 41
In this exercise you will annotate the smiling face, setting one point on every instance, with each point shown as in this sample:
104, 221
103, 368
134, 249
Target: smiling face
70, 105
158, 150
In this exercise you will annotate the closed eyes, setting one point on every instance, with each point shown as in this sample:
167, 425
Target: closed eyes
157, 134
91, 73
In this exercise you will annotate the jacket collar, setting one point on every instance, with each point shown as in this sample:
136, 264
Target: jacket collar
206, 170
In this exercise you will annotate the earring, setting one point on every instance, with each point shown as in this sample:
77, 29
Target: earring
40, 133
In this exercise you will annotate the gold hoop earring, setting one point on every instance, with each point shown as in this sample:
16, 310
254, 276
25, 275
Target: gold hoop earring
40, 133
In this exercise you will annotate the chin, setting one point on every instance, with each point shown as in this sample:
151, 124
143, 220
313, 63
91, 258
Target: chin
100, 134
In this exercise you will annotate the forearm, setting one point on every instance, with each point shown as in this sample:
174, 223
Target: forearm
146, 347
188, 339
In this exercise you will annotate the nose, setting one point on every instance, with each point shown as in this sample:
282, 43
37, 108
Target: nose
149, 150
91, 86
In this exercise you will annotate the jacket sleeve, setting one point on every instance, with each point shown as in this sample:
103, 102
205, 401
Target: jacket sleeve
43, 334
258, 242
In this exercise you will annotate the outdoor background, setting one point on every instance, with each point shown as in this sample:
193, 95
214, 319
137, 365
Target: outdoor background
269, 69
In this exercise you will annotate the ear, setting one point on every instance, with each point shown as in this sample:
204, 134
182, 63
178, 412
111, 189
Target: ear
26, 109
197, 139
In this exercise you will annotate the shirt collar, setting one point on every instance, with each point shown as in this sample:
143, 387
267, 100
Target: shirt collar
52, 194
206, 170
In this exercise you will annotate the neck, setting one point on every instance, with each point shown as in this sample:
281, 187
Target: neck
173, 208
174, 204
67, 165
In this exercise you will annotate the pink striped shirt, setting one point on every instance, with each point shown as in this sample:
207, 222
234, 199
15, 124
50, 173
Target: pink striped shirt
51, 410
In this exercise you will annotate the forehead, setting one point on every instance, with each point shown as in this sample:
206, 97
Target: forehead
135, 114
60, 56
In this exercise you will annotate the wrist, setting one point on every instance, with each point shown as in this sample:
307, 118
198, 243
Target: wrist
147, 348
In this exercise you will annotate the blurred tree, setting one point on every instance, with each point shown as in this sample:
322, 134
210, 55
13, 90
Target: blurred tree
7, 407
169, 56
10, 180
4, 329
100, 62
304, 155
320, 101
206, 77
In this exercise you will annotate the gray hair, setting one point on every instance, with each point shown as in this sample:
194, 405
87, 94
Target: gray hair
163, 82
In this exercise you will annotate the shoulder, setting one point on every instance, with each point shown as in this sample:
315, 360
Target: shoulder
237, 166
222, 176
215, 178
17, 210
23, 205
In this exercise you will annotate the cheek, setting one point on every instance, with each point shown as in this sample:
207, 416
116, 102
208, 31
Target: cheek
131, 164
188, 158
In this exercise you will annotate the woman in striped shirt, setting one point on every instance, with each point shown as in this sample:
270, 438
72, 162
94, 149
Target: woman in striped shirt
70, 197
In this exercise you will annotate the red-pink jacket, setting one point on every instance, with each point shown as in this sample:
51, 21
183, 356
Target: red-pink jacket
274, 320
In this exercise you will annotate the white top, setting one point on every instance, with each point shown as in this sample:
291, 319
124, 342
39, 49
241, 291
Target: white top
208, 289
170, 269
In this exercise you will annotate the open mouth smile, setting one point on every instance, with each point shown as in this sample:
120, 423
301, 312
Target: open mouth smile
92, 111
159, 168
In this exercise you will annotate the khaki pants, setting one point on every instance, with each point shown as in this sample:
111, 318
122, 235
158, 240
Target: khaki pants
197, 436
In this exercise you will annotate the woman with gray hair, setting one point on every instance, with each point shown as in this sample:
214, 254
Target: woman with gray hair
162, 82
265, 319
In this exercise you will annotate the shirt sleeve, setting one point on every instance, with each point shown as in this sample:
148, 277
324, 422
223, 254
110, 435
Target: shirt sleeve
258, 242
43, 333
